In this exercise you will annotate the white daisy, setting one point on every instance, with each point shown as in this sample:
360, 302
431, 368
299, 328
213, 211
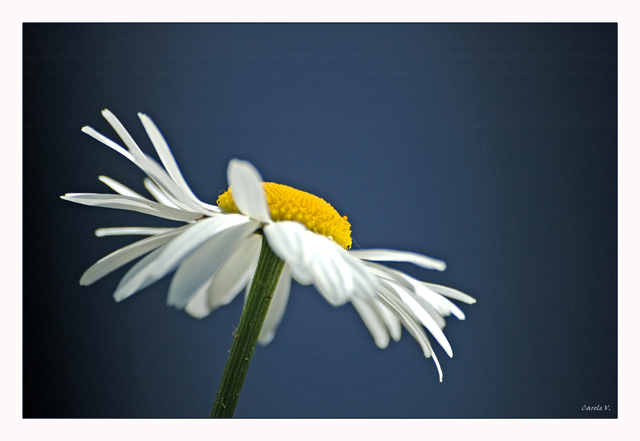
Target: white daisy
214, 255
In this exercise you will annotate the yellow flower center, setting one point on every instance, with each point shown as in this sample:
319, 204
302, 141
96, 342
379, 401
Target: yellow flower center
287, 203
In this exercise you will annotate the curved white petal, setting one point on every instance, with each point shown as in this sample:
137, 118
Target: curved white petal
130, 203
373, 322
336, 274
390, 319
451, 293
136, 279
286, 239
197, 306
201, 264
195, 236
157, 193
435, 360
441, 304
400, 256
435, 315
150, 167
232, 277
412, 326
122, 133
301, 275
109, 143
415, 308
436, 304
125, 255
146, 164
119, 188
246, 188
168, 187
129, 231
172, 254
277, 307
169, 162
329, 277
164, 152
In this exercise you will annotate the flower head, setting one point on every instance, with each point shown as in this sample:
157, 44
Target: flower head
214, 254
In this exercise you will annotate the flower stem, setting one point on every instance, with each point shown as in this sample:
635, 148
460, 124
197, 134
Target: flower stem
254, 312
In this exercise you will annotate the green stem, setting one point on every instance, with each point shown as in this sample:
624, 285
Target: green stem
254, 312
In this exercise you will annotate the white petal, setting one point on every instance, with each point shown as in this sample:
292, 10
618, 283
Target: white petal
169, 162
194, 237
329, 277
164, 181
204, 262
169, 188
157, 193
390, 319
400, 256
336, 274
146, 164
106, 141
125, 255
374, 323
414, 306
286, 239
197, 306
164, 152
234, 274
398, 278
451, 293
122, 133
141, 161
150, 167
246, 189
435, 360
433, 302
442, 305
290, 241
301, 275
136, 278
127, 231
414, 328
119, 188
148, 271
407, 320
277, 307
366, 284
120, 202
437, 317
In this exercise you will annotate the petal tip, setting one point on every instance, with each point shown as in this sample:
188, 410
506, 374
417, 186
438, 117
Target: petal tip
247, 191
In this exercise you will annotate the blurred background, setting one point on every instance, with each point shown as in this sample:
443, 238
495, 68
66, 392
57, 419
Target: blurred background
490, 146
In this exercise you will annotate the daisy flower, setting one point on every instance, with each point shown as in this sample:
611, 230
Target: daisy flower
215, 253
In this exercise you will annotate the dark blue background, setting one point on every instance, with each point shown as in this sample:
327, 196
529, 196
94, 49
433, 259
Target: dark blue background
490, 146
